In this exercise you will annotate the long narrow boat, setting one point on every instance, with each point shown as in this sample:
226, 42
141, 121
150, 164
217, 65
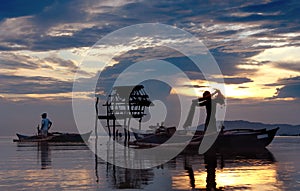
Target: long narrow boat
245, 139
234, 139
54, 137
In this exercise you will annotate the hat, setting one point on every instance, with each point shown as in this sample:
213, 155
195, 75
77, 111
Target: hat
44, 114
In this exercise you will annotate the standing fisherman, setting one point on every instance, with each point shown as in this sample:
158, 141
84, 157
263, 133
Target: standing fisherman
210, 105
45, 125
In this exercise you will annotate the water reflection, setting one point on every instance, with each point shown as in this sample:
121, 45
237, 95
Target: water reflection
49, 166
45, 154
227, 171
210, 161
72, 167
190, 171
122, 178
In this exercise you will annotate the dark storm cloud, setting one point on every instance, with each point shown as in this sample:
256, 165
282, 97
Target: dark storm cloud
13, 61
19, 8
65, 63
289, 91
109, 75
237, 80
278, 10
196, 86
69, 65
294, 66
232, 30
278, 17
32, 85
228, 61
35, 36
291, 88
192, 16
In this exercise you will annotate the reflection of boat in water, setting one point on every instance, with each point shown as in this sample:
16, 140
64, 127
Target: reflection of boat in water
119, 177
226, 170
123, 178
236, 171
54, 137
227, 140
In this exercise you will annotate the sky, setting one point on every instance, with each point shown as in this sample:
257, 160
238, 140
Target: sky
256, 45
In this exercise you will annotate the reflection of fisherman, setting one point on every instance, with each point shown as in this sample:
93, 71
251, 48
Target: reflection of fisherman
45, 155
210, 105
188, 167
210, 161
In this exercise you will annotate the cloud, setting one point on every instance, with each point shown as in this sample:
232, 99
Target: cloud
228, 26
32, 85
234, 31
13, 61
290, 89
20, 8
240, 80
61, 62
228, 61
293, 66
109, 75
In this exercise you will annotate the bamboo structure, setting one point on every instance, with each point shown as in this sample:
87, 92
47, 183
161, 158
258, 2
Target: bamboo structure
123, 104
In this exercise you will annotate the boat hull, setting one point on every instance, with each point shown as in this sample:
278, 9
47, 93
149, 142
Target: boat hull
255, 140
237, 139
54, 137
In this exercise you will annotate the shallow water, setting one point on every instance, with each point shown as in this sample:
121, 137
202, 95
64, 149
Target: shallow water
32, 166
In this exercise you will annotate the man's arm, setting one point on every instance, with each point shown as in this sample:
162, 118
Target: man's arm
50, 124
203, 103
42, 124
200, 101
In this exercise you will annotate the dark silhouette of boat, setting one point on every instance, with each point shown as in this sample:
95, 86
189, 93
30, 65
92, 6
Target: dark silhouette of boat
246, 139
54, 137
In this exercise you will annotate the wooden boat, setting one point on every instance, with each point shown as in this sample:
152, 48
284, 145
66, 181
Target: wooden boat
245, 139
166, 132
163, 134
234, 139
54, 137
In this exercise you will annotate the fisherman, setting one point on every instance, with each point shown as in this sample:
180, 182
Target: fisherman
45, 125
210, 105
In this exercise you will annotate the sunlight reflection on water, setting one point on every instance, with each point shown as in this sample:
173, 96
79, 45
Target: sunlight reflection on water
72, 167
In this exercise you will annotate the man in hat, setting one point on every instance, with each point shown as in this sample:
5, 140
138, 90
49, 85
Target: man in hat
45, 125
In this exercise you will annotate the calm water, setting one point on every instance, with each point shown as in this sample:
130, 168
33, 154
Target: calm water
73, 167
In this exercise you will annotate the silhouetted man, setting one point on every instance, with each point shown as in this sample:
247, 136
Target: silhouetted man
210, 105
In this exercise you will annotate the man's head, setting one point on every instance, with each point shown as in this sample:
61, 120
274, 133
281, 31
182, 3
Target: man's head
44, 115
207, 95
